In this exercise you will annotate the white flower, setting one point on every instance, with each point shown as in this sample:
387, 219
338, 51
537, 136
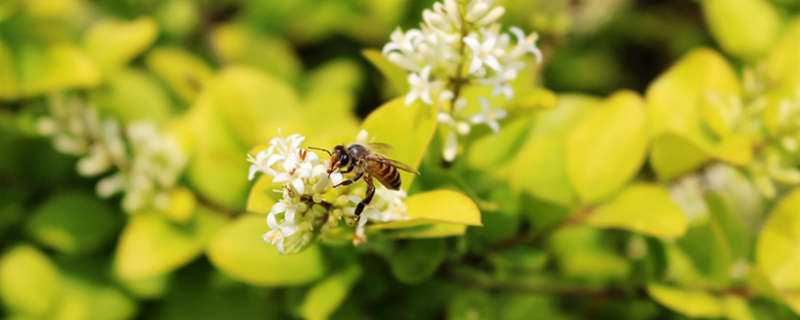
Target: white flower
421, 87
434, 52
489, 116
688, 194
484, 52
525, 44
144, 164
386, 206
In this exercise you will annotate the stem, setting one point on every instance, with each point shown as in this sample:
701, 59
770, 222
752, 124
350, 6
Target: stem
459, 80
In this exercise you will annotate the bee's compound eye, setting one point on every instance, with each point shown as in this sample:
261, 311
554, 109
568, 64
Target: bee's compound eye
344, 159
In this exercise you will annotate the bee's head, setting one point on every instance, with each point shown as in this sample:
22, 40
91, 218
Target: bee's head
339, 158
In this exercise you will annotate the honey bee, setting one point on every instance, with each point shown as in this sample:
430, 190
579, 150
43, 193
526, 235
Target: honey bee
366, 164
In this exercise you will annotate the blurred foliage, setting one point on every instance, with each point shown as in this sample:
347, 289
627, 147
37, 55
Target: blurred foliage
643, 173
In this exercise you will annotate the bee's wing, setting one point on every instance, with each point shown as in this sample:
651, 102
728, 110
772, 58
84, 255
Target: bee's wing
395, 163
380, 147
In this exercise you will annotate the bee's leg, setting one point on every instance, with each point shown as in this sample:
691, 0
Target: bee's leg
351, 180
368, 198
350, 167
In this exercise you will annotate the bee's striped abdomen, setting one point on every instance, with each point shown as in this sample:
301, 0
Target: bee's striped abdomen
386, 173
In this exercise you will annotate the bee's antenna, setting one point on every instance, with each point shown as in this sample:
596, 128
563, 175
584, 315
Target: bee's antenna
322, 149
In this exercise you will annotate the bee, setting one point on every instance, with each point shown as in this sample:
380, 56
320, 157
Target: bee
366, 164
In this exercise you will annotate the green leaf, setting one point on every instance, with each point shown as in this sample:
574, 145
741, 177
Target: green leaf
8, 73
425, 231
203, 293
582, 252
57, 67
115, 43
85, 297
395, 76
74, 223
443, 206
408, 129
218, 168
674, 105
472, 304
495, 149
152, 245
325, 297
673, 155
607, 147
745, 28
692, 303
331, 98
239, 251
642, 208
148, 288
415, 261
540, 167
779, 242
29, 282
133, 95
258, 98
237, 44
262, 195
181, 70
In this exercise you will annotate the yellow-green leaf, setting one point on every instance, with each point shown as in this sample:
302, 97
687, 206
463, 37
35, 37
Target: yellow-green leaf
237, 44
185, 73
133, 95
239, 251
408, 129
148, 288
779, 243
673, 155
395, 76
115, 43
443, 206
782, 65
607, 147
182, 205
494, 149
434, 214
693, 303
74, 223
540, 167
643, 208
262, 195
218, 168
745, 28
249, 102
87, 298
325, 297
151, 245
29, 282
57, 67
674, 105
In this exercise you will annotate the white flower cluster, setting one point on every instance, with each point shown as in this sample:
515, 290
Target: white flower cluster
302, 212
460, 43
145, 164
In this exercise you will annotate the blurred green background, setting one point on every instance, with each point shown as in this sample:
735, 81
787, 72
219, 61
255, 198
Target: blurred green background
223, 75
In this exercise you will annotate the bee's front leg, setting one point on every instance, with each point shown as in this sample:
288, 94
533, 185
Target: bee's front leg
368, 198
351, 180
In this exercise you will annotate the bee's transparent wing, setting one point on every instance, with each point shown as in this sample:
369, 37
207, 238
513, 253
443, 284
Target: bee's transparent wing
380, 148
396, 164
